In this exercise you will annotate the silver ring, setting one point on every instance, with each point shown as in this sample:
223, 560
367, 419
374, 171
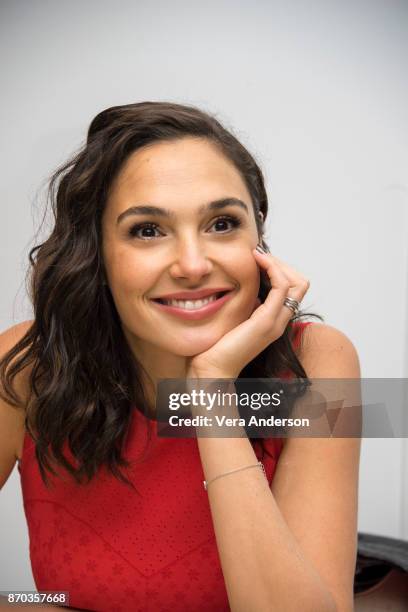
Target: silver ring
292, 304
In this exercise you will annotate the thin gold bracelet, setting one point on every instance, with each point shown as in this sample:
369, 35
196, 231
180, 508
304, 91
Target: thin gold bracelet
246, 467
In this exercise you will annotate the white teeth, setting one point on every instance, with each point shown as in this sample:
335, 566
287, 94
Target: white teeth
191, 304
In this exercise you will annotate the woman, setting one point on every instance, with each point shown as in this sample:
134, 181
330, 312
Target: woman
162, 204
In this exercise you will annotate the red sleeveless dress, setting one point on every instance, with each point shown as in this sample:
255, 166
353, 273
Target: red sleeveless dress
114, 549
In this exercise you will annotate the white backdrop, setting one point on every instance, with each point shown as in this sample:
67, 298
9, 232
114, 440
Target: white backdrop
316, 90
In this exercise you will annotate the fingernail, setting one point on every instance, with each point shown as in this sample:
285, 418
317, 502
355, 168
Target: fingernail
260, 249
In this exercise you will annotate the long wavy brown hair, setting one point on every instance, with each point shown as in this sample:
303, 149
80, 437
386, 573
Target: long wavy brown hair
84, 381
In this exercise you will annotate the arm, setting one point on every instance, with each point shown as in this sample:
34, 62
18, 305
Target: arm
11, 418
11, 437
291, 547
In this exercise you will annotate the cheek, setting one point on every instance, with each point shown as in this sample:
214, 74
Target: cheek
130, 275
248, 275
129, 284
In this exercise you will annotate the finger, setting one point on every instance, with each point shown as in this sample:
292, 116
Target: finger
302, 285
294, 276
268, 313
297, 285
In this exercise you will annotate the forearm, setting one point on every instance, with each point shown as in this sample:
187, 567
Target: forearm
263, 566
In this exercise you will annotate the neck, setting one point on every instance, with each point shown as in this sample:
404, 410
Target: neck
156, 364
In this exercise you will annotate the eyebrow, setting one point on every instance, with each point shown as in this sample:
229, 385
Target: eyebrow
147, 209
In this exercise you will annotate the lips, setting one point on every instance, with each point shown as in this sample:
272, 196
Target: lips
193, 295
195, 313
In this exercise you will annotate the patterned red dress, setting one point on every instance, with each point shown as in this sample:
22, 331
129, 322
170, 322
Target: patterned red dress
114, 549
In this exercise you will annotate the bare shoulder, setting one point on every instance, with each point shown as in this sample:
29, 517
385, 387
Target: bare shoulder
325, 351
12, 418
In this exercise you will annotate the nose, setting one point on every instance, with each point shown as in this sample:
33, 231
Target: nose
191, 262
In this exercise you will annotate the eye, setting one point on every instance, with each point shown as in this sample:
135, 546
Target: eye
146, 231
147, 228
234, 221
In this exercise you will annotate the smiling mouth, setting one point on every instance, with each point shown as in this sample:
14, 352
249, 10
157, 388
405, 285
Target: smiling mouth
192, 304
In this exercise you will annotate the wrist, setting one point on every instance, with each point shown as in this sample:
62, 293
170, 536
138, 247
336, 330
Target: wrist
210, 373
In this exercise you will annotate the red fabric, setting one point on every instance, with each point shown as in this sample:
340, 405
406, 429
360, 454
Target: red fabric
114, 549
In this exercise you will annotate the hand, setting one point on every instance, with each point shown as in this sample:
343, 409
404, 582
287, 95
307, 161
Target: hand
268, 321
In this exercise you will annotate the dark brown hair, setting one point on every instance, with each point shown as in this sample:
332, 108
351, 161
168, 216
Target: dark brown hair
85, 381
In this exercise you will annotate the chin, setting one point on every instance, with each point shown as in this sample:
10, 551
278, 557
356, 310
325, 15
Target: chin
191, 346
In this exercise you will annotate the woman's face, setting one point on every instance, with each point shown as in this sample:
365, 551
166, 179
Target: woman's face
186, 241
